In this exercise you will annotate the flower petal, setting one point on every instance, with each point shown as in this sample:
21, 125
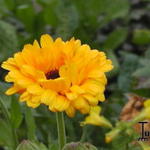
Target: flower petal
13, 89
46, 40
58, 85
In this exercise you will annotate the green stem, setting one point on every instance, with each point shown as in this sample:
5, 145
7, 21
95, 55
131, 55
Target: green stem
61, 130
30, 122
84, 134
138, 118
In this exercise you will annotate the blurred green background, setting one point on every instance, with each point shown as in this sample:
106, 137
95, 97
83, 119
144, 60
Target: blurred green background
121, 28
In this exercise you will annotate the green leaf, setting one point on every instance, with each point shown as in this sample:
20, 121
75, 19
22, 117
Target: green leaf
23, 2
144, 92
53, 146
44, 2
115, 38
42, 146
123, 140
98, 13
7, 45
111, 55
142, 72
4, 110
125, 78
117, 9
6, 137
10, 4
49, 13
141, 36
30, 122
16, 114
26, 14
147, 54
3, 8
6, 115
3, 87
67, 23
89, 12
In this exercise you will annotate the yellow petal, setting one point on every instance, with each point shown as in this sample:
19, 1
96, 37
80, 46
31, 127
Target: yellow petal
9, 64
95, 109
61, 103
147, 103
35, 99
95, 74
70, 111
107, 66
35, 89
93, 87
24, 96
36, 44
93, 100
101, 97
13, 89
8, 78
71, 96
77, 89
48, 97
102, 79
31, 104
69, 72
19, 60
21, 80
46, 40
82, 105
58, 85
95, 119
33, 73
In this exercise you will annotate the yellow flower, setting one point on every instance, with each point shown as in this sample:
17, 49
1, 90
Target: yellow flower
66, 76
146, 111
94, 118
147, 103
144, 146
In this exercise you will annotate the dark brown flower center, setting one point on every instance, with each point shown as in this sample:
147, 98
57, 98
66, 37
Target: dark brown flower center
53, 74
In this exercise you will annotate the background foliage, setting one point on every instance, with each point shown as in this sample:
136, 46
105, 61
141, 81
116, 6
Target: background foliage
121, 28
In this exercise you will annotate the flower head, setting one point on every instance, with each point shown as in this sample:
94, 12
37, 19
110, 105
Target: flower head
112, 135
66, 76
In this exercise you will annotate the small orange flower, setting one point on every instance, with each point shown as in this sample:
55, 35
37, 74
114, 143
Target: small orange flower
66, 76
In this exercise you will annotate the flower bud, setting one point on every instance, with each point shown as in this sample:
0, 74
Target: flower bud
90, 146
79, 146
112, 134
27, 145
